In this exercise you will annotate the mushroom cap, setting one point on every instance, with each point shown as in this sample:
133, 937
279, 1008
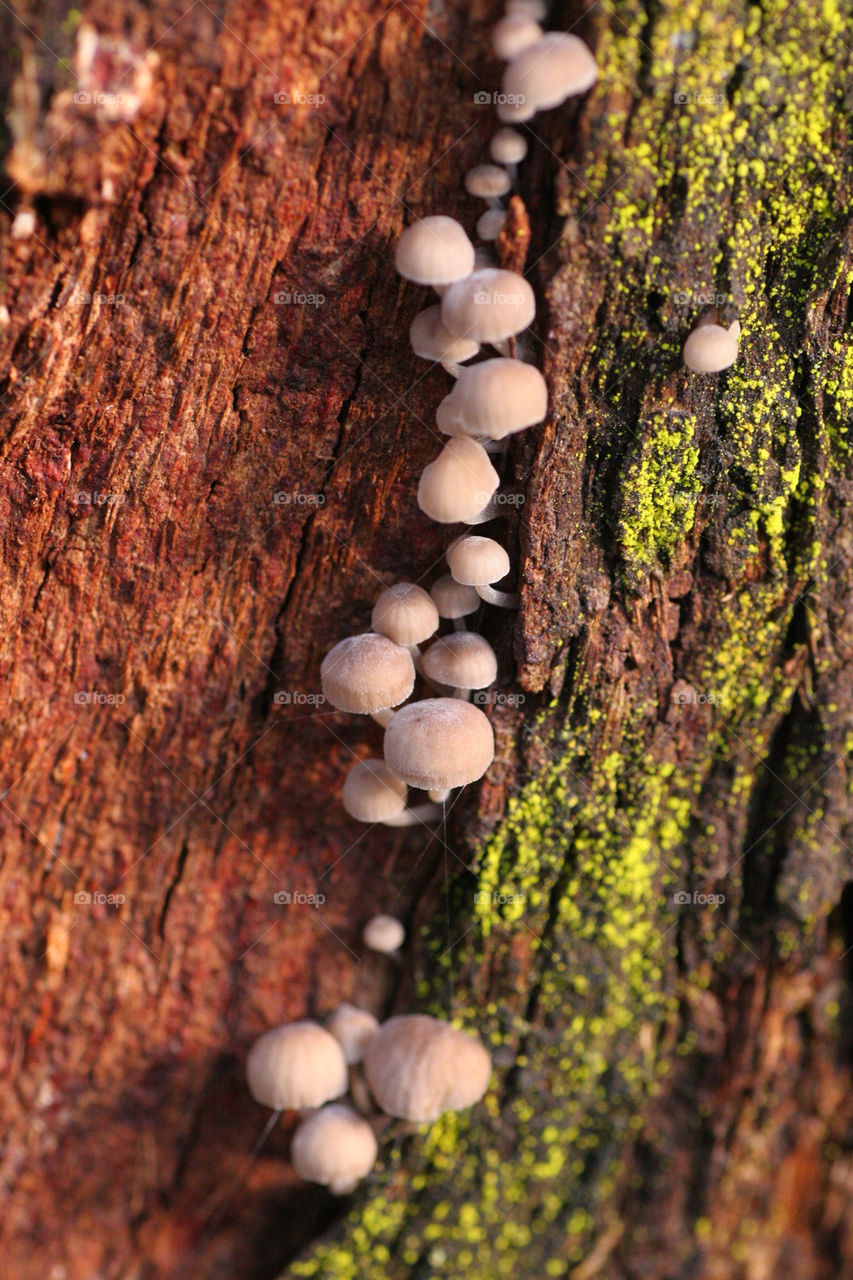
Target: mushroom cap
459, 483
463, 659
489, 305
536, 9
494, 398
353, 1029
431, 340
434, 251
419, 1067
491, 223
405, 613
335, 1147
477, 561
294, 1066
439, 743
514, 33
711, 348
367, 673
487, 181
384, 933
508, 146
555, 67
372, 793
453, 599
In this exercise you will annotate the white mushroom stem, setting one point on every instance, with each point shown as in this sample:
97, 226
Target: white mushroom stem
452, 367
421, 813
493, 446
503, 599
503, 347
438, 795
494, 202
459, 624
414, 650
464, 695
489, 512
385, 716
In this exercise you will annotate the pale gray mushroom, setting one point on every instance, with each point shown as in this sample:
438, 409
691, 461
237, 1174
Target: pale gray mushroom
711, 348
459, 484
418, 1067
431, 340
454, 600
508, 146
294, 1066
461, 662
556, 67
372, 793
439, 743
488, 182
535, 9
489, 306
514, 33
490, 224
406, 614
367, 675
334, 1147
478, 562
495, 399
434, 251
384, 933
353, 1029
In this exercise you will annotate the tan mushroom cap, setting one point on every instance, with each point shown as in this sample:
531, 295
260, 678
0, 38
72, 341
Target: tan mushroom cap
459, 483
491, 223
434, 251
294, 1066
432, 340
487, 181
490, 305
384, 933
711, 348
477, 561
372, 793
494, 398
548, 72
335, 1147
536, 9
508, 146
419, 1067
353, 1029
453, 599
464, 660
367, 673
514, 33
405, 613
439, 743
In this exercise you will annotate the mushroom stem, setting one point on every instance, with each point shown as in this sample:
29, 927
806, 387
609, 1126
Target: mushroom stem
414, 650
459, 624
493, 446
503, 347
503, 599
489, 512
421, 813
453, 367
494, 202
438, 795
464, 695
385, 716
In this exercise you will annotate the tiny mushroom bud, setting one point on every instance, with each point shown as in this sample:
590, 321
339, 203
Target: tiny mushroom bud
514, 33
372, 793
367, 675
508, 146
439, 743
462, 661
489, 181
458, 484
489, 305
405, 613
495, 398
554, 68
295, 1066
454, 600
353, 1029
384, 933
432, 341
711, 348
419, 1067
490, 224
434, 251
334, 1147
478, 562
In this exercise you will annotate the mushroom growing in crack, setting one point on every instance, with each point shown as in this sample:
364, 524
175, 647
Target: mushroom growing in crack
478, 562
508, 147
458, 663
556, 67
384, 934
491, 223
406, 614
295, 1066
367, 675
432, 340
454, 600
434, 251
458, 486
488, 182
334, 1147
372, 793
489, 306
418, 1067
513, 33
710, 348
353, 1029
494, 399
438, 744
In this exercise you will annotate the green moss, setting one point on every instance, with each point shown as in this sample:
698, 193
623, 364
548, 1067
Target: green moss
658, 492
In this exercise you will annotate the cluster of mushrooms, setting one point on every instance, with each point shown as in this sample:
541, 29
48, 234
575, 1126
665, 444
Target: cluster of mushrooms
415, 1066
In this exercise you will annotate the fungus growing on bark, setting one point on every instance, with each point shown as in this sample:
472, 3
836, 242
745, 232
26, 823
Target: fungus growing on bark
353, 1029
372, 793
334, 1147
711, 348
508, 146
556, 67
487, 181
418, 1067
434, 251
495, 398
459, 484
478, 562
384, 933
406, 614
294, 1066
513, 33
454, 600
439, 743
490, 224
432, 340
367, 675
461, 662
489, 306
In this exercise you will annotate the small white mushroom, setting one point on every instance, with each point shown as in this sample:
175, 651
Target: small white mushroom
372, 793
488, 182
459, 484
495, 398
367, 675
384, 933
514, 33
434, 251
353, 1029
334, 1147
419, 1067
439, 743
406, 614
490, 224
294, 1066
461, 662
554, 68
711, 348
478, 562
489, 305
431, 340
508, 146
454, 600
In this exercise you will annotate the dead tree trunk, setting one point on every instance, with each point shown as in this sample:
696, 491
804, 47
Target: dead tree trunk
212, 430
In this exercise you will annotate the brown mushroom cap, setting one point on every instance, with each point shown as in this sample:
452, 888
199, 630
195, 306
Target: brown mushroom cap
489, 305
548, 72
431, 340
459, 483
367, 673
453, 599
334, 1147
494, 398
434, 251
487, 181
711, 348
419, 1067
294, 1066
477, 561
464, 660
353, 1029
372, 793
439, 743
405, 613
508, 146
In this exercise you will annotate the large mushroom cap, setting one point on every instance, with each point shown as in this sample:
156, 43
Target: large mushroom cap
439, 743
464, 660
434, 251
489, 306
711, 348
372, 793
477, 561
431, 340
419, 1067
459, 483
494, 398
367, 673
557, 66
353, 1029
405, 613
334, 1147
294, 1066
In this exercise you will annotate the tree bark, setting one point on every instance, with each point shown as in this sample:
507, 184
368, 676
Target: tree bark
212, 432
